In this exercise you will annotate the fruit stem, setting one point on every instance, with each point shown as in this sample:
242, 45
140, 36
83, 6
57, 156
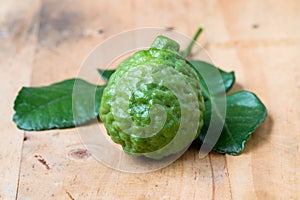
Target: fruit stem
188, 49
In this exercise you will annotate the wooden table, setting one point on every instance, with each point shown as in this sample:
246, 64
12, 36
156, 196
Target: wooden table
45, 41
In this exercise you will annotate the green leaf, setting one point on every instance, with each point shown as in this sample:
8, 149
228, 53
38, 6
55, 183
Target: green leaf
42, 108
204, 68
245, 112
105, 74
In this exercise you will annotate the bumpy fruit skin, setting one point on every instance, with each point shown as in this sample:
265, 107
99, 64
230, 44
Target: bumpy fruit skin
163, 53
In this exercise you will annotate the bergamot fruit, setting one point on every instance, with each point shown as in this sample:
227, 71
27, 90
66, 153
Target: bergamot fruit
152, 104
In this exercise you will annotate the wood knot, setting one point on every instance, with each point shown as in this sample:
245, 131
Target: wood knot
79, 154
170, 28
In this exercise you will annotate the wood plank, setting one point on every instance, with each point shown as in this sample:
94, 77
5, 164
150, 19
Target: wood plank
267, 65
17, 46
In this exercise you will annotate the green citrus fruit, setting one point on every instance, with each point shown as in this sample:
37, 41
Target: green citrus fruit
152, 104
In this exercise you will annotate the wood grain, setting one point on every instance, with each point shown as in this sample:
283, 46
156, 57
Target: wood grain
46, 41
